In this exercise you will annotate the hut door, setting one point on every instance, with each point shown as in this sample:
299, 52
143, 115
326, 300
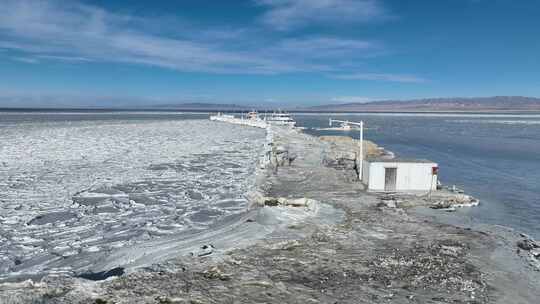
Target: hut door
390, 176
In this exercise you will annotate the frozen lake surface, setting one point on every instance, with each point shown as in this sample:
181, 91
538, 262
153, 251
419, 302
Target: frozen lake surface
73, 188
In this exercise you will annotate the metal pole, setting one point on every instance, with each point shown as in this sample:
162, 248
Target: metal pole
361, 156
360, 173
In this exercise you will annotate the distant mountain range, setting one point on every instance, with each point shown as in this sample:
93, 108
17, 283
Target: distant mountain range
480, 104
497, 103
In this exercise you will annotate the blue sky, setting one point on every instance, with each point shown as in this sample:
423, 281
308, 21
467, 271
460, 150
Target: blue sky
273, 52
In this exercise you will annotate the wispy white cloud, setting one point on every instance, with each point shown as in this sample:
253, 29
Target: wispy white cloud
64, 58
351, 99
321, 46
290, 14
405, 78
25, 60
54, 30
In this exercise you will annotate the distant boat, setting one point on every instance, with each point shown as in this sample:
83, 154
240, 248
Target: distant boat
252, 120
221, 117
346, 127
281, 119
253, 115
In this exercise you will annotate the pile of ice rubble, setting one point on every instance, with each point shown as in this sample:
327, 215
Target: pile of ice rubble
441, 199
529, 248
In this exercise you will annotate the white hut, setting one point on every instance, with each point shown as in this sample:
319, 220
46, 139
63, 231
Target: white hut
399, 175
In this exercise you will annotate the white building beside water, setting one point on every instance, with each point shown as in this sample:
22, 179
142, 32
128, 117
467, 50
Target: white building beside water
399, 175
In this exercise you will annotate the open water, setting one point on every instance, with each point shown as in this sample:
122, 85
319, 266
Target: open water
495, 158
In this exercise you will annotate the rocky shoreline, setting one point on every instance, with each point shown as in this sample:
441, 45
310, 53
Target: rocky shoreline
379, 252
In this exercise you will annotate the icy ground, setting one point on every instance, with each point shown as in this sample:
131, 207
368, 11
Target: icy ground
74, 190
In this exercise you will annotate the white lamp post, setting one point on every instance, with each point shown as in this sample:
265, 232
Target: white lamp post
361, 125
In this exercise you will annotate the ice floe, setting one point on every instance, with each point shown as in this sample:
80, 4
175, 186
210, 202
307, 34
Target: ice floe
76, 191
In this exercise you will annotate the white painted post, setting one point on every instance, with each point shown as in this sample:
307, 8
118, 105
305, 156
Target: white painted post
360, 171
